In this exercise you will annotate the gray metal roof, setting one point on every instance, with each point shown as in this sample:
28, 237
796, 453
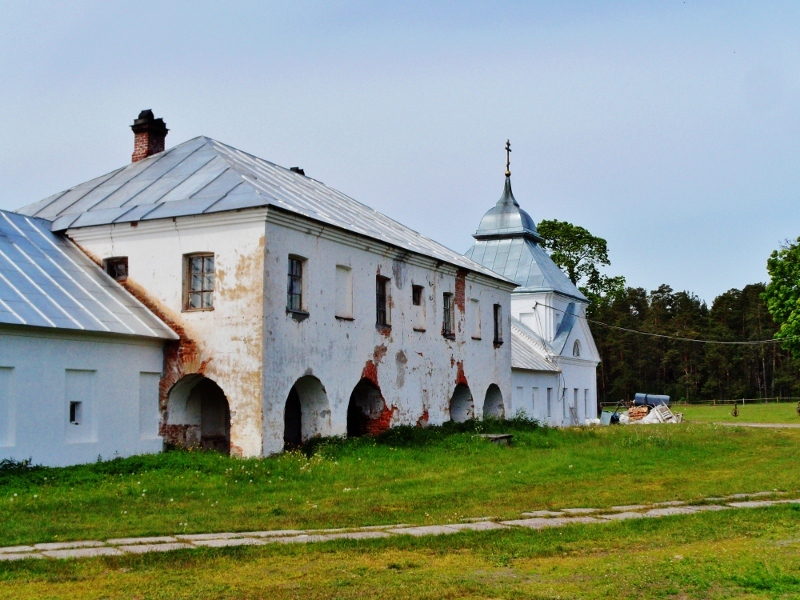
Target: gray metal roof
507, 218
528, 351
507, 243
203, 176
46, 281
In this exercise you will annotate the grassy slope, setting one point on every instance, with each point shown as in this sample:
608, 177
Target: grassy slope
785, 412
743, 554
435, 478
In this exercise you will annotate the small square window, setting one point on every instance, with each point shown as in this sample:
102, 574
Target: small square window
416, 294
199, 282
117, 267
75, 410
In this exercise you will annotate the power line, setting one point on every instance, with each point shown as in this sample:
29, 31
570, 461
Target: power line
670, 337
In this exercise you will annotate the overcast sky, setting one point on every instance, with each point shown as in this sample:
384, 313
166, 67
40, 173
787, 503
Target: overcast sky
671, 129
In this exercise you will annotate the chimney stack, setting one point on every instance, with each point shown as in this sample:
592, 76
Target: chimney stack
149, 134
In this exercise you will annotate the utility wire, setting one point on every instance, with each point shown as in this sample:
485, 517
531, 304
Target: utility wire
671, 337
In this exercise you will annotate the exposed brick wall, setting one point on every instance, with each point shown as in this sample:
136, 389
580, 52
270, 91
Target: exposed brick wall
146, 144
461, 289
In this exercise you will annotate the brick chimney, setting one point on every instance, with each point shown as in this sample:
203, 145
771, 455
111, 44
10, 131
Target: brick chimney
149, 134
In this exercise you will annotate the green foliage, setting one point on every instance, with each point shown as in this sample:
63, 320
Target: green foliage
686, 370
782, 295
574, 249
633, 363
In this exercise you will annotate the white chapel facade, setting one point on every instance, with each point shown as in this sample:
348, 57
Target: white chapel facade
554, 355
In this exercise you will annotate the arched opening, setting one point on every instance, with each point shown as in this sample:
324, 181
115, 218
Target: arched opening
367, 413
198, 415
461, 405
307, 413
576, 348
493, 404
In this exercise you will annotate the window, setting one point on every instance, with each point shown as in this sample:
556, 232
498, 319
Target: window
418, 300
549, 402
117, 267
447, 315
344, 292
75, 411
475, 310
564, 404
416, 294
586, 405
79, 398
148, 405
533, 400
382, 301
294, 286
7, 408
498, 324
200, 282
576, 348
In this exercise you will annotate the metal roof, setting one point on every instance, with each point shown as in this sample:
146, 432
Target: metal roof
528, 351
203, 176
507, 243
507, 218
46, 281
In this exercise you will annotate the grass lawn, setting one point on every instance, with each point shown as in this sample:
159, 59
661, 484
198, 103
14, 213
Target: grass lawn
784, 412
406, 476
751, 553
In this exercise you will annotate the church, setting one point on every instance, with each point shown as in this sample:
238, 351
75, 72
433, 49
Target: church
554, 358
266, 309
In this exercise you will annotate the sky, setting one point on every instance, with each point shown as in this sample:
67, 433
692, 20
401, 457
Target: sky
670, 129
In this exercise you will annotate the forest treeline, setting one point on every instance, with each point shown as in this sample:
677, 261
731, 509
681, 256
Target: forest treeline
687, 371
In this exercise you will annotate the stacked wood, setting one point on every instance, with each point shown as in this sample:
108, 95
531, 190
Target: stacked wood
637, 413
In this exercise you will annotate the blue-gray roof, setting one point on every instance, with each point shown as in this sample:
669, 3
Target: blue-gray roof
203, 176
506, 218
46, 281
528, 350
507, 243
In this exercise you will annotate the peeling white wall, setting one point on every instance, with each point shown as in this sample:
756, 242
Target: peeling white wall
228, 337
417, 371
114, 377
256, 352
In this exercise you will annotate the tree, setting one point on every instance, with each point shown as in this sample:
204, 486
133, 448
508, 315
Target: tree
579, 254
782, 294
574, 249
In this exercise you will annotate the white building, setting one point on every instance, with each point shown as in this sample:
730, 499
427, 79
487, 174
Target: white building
554, 355
80, 358
300, 311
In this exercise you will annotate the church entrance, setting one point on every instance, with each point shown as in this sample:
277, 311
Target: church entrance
198, 415
367, 413
493, 404
306, 414
461, 405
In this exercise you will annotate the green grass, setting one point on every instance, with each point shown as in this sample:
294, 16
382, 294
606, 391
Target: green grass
406, 476
784, 412
752, 553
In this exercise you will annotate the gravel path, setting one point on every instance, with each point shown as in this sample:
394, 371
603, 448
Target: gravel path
537, 519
